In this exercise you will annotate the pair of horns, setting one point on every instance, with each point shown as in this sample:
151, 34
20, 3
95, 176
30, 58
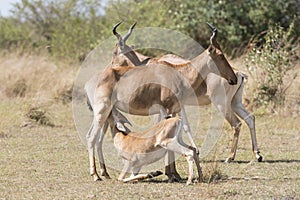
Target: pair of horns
119, 36
122, 41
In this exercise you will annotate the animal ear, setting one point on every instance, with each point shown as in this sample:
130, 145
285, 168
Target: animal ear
144, 62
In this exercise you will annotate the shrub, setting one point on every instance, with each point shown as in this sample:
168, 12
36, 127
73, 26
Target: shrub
39, 115
269, 62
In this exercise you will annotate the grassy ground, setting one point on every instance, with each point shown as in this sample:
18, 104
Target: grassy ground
42, 162
51, 162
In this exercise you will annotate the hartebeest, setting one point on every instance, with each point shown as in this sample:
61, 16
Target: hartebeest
143, 148
227, 98
156, 87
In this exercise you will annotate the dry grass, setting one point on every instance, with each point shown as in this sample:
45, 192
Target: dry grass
35, 78
43, 162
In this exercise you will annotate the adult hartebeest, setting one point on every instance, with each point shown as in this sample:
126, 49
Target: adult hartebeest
143, 148
156, 87
226, 97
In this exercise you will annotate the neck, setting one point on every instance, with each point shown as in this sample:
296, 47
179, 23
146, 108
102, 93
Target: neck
201, 64
133, 58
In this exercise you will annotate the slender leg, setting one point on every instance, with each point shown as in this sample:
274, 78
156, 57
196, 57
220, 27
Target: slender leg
236, 127
250, 121
175, 146
224, 106
197, 162
239, 109
101, 110
186, 127
170, 167
99, 142
91, 140
135, 171
190, 160
196, 156
125, 170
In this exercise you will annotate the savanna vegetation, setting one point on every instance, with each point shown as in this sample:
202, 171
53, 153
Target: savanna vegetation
42, 45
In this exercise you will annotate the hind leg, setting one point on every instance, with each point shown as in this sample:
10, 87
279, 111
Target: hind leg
236, 127
125, 170
250, 121
239, 109
225, 108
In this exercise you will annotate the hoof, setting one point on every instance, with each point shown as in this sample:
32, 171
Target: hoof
106, 175
228, 160
177, 177
173, 178
189, 182
120, 180
97, 179
259, 158
199, 180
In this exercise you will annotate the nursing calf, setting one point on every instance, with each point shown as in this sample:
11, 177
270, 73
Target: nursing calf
139, 149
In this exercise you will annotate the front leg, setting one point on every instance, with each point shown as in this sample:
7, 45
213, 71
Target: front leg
170, 167
197, 162
99, 142
187, 129
101, 110
91, 140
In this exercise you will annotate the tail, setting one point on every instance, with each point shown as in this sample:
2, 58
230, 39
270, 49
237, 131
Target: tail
243, 75
238, 96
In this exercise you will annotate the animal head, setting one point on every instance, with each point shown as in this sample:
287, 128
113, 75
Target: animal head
123, 54
220, 64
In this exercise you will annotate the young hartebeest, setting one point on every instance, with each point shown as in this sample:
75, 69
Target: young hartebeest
143, 148
138, 90
226, 98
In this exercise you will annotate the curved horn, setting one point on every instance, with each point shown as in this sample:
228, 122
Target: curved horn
129, 32
115, 32
215, 32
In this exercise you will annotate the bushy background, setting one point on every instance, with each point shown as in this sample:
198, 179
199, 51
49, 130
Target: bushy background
263, 33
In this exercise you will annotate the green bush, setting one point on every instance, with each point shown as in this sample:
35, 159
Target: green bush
269, 62
237, 21
62, 28
71, 28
